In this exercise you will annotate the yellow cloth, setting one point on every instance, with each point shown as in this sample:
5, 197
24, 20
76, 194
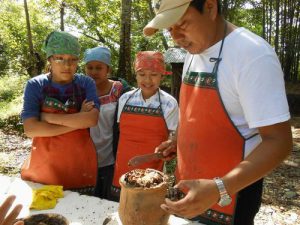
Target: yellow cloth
46, 197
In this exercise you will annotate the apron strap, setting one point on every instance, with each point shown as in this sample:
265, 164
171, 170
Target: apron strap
219, 59
253, 135
129, 98
159, 107
213, 59
161, 110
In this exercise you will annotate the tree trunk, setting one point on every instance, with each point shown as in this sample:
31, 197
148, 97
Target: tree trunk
31, 68
124, 69
294, 33
277, 26
297, 47
264, 20
270, 21
289, 41
62, 13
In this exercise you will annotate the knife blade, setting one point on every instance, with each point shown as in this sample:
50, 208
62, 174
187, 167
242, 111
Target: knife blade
140, 159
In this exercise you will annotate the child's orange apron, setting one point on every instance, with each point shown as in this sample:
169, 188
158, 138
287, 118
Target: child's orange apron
68, 159
209, 144
142, 129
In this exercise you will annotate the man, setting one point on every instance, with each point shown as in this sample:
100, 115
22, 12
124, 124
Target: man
233, 127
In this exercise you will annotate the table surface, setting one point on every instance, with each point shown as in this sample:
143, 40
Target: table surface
78, 209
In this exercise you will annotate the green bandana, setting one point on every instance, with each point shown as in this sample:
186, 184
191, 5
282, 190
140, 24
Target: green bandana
59, 42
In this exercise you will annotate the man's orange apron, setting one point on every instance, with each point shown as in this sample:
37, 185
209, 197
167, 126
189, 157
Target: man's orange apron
209, 145
68, 159
142, 129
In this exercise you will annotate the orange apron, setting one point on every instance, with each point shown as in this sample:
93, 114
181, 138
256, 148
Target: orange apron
68, 159
142, 129
209, 145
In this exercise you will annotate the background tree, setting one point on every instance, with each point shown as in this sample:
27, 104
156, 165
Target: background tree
124, 70
13, 35
35, 62
284, 36
62, 14
99, 22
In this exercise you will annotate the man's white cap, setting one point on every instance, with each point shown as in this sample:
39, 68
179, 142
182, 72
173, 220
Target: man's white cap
168, 12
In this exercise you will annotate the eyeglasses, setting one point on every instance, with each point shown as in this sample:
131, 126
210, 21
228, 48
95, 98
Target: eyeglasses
62, 61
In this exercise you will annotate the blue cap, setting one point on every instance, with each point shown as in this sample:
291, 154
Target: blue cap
100, 54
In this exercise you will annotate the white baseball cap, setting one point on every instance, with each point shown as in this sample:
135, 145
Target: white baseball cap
168, 12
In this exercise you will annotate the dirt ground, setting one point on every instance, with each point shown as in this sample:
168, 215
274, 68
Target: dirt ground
281, 201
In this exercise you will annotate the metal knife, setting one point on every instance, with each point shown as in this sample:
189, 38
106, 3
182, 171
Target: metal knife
140, 159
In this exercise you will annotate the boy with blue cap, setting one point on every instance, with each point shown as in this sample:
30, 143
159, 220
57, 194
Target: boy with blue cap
98, 66
62, 149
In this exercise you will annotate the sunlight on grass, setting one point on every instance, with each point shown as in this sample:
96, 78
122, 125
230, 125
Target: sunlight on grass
291, 163
11, 108
4, 159
11, 95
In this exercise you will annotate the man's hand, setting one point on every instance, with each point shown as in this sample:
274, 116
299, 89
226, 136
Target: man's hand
200, 195
11, 217
168, 149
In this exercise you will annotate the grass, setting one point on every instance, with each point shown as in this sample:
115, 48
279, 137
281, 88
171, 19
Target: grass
11, 100
5, 167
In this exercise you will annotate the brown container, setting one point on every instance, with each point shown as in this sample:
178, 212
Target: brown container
141, 206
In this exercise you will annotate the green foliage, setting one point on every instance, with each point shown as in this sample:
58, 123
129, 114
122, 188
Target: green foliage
170, 166
97, 22
3, 55
249, 18
13, 33
11, 92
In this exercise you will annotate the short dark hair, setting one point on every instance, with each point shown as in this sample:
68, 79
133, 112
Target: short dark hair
198, 4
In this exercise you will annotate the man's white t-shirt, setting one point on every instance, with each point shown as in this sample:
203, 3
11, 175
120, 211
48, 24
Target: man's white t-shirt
250, 81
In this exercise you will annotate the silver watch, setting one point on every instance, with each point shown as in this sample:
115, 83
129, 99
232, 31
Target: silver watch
225, 199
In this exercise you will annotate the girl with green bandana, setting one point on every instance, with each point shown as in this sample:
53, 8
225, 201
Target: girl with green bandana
62, 150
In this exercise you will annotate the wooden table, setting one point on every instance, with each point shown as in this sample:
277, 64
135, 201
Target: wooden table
78, 209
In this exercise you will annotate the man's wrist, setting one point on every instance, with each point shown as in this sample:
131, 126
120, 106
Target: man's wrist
225, 198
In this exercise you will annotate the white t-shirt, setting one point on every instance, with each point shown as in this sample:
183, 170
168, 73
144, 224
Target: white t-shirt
102, 133
168, 103
250, 80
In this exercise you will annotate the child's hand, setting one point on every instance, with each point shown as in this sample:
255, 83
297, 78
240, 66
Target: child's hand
6, 217
87, 106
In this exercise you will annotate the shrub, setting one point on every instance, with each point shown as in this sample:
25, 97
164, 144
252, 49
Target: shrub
11, 99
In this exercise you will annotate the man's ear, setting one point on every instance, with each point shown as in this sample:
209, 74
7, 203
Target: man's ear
211, 7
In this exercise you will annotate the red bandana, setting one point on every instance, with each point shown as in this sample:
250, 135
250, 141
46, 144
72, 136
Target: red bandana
152, 61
